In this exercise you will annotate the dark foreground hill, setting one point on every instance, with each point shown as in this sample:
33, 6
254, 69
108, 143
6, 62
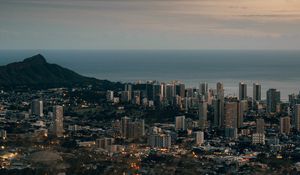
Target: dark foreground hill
36, 72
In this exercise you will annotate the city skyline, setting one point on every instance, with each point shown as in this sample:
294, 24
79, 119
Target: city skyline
149, 87
54, 120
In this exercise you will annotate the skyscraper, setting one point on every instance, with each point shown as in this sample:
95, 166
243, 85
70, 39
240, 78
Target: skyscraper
128, 87
203, 90
273, 98
231, 109
256, 92
218, 103
150, 90
203, 110
124, 125
218, 116
37, 107
203, 114
296, 120
58, 117
180, 123
170, 92
242, 91
180, 90
157, 93
220, 90
242, 108
285, 125
260, 126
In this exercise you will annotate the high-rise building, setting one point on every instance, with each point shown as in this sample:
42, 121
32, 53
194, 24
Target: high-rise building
136, 129
180, 123
170, 92
124, 125
285, 125
220, 90
256, 92
132, 129
258, 138
137, 97
128, 87
203, 114
150, 90
242, 91
218, 103
203, 110
218, 120
296, 120
180, 90
203, 90
163, 92
110, 96
273, 99
37, 107
104, 143
159, 140
230, 115
242, 108
125, 96
260, 126
199, 137
157, 94
58, 118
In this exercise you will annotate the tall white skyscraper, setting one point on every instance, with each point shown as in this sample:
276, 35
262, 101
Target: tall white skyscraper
180, 123
242, 91
58, 117
37, 107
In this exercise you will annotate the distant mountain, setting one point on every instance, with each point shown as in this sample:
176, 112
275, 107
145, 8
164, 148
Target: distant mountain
36, 72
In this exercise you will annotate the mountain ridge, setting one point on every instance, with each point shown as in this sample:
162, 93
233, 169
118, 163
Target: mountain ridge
36, 72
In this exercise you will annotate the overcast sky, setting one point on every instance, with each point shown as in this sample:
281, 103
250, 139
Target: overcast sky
150, 24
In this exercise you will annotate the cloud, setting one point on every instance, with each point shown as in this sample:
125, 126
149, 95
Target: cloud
149, 23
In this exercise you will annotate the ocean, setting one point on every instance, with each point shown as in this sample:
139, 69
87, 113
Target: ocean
273, 69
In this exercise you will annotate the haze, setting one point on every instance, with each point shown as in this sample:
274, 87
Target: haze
150, 24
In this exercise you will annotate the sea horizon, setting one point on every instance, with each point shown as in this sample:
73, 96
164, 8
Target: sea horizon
270, 68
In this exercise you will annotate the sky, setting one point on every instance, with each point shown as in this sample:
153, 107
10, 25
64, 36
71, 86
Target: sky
150, 24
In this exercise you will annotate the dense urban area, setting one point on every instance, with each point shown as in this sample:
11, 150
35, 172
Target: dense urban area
149, 128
